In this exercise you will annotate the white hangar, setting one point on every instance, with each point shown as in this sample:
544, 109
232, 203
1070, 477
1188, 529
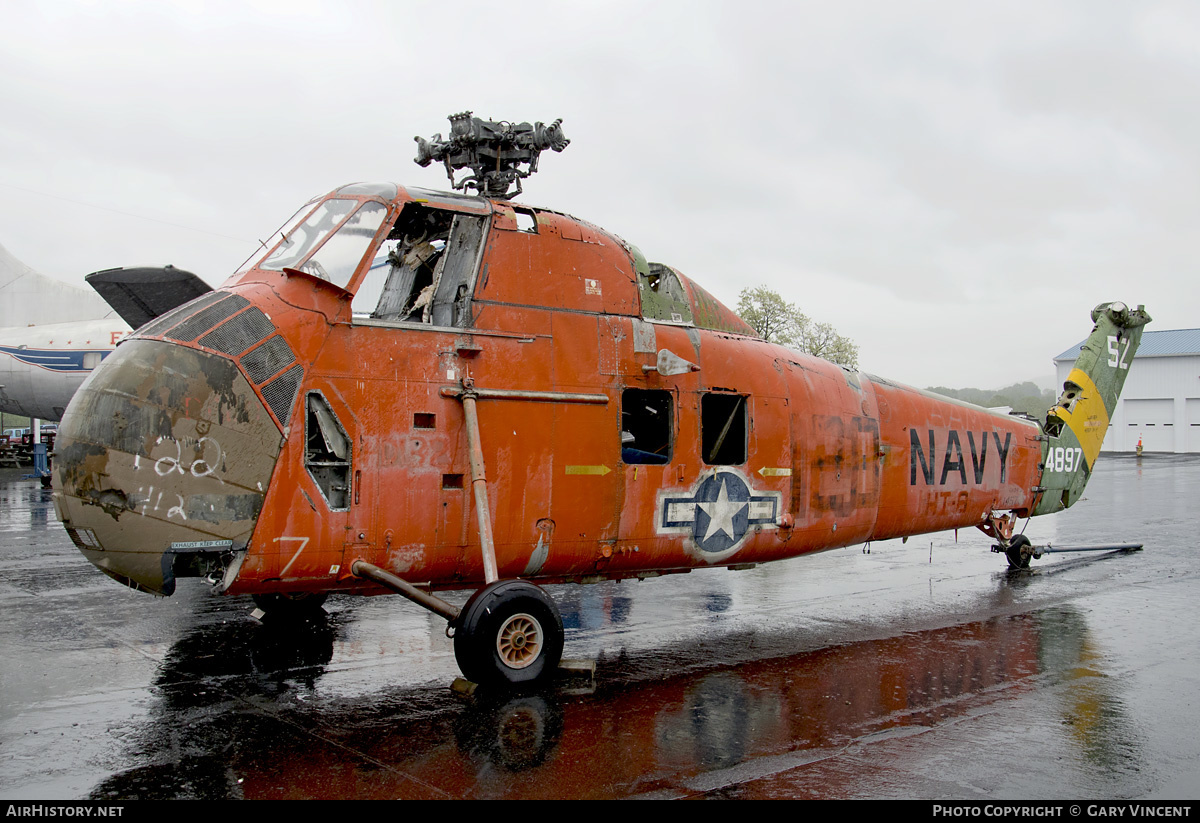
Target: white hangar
1161, 401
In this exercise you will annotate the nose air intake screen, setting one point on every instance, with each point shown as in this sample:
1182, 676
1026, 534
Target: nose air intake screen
202, 321
243, 331
280, 393
268, 359
159, 325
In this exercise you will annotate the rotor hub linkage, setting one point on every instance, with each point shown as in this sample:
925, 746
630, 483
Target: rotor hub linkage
494, 151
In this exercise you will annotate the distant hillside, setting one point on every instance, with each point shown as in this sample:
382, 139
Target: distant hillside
1023, 397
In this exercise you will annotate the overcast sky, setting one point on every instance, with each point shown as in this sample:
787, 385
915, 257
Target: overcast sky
952, 185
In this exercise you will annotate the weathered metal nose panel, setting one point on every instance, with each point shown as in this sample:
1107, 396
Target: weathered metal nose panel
163, 456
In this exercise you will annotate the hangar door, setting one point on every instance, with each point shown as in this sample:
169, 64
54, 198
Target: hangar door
1193, 424
1153, 421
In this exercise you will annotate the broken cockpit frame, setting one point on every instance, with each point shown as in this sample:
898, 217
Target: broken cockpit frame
493, 150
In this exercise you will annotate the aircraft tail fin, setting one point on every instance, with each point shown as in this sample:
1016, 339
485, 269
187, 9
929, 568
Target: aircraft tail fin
29, 298
141, 294
1075, 427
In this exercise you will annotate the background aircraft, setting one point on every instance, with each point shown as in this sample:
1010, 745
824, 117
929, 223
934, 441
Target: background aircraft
53, 334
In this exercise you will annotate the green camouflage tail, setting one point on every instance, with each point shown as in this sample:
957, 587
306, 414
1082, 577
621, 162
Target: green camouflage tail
1074, 429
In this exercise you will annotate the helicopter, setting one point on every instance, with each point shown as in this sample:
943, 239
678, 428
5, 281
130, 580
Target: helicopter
413, 391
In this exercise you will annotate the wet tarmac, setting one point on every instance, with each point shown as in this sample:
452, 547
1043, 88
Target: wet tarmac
918, 670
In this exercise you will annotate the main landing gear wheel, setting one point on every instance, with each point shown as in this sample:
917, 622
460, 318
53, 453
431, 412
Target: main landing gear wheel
1018, 559
509, 633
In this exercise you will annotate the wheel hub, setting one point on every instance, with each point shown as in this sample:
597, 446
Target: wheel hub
519, 641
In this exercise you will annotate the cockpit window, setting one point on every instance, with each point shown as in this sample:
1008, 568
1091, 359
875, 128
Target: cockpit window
300, 241
385, 190
283, 231
330, 243
425, 271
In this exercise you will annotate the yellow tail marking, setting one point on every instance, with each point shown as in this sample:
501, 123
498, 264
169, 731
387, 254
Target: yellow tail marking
1089, 421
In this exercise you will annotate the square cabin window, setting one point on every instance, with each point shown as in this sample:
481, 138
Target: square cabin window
646, 421
723, 427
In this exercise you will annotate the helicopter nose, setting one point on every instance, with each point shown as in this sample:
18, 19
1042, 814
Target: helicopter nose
162, 462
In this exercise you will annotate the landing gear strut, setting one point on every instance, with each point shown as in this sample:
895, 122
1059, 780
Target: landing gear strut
1016, 549
509, 633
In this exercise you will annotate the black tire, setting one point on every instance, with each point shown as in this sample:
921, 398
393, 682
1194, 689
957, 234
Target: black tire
1016, 559
509, 634
290, 604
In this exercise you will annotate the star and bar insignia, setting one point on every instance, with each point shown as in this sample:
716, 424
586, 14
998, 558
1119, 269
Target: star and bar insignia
719, 512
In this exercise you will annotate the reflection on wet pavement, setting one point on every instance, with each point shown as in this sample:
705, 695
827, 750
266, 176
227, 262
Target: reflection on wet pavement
923, 671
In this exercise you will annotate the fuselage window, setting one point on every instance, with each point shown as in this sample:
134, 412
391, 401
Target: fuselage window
723, 419
663, 297
327, 454
526, 220
646, 424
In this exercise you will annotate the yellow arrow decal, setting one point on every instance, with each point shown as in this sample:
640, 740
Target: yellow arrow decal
769, 471
598, 470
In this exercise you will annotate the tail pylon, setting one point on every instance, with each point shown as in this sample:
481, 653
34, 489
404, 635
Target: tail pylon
1074, 428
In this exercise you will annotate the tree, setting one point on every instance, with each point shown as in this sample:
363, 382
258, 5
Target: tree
1022, 397
778, 321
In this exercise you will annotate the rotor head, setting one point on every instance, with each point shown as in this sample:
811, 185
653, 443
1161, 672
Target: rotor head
499, 154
